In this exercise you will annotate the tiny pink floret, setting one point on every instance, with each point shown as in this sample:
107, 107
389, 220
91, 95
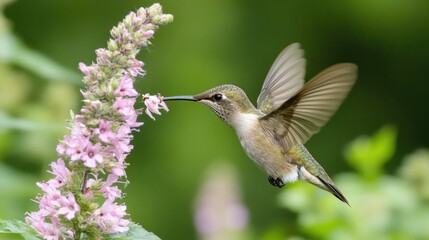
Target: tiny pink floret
154, 104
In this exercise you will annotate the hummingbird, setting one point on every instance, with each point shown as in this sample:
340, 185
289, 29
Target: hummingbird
288, 113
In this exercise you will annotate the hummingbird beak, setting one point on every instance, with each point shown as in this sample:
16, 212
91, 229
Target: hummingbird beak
186, 98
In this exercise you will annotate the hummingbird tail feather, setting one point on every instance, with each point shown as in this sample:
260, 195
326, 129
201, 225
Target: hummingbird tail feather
335, 191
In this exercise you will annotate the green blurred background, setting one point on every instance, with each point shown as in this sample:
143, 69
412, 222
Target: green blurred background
208, 44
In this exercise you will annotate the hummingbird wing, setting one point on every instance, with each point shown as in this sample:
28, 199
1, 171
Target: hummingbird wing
296, 120
284, 80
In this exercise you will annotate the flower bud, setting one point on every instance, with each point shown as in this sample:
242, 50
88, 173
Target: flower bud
112, 46
163, 19
154, 10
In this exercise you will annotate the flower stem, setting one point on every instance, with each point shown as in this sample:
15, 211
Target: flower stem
85, 178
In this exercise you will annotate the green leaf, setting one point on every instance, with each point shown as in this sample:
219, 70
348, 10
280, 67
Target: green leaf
14, 51
18, 227
17, 188
135, 232
368, 154
9, 122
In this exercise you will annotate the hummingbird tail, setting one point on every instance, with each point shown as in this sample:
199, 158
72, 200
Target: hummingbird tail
335, 191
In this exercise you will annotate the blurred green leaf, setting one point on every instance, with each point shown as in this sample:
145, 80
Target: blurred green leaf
415, 169
8, 122
17, 227
384, 208
368, 154
297, 197
278, 232
14, 51
135, 232
15, 182
19, 188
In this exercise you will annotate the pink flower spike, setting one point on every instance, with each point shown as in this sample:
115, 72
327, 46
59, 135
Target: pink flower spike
74, 146
83, 68
61, 149
69, 207
79, 199
137, 63
109, 191
118, 170
92, 155
148, 34
110, 217
131, 121
37, 220
126, 87
104, 131
153, 104
125, 105
136, 69
61, 172
163, 105
51, 200
50, 232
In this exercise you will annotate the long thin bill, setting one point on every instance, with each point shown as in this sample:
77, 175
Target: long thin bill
186, 98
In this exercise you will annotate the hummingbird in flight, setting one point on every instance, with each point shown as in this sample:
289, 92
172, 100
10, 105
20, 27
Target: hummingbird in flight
288, 113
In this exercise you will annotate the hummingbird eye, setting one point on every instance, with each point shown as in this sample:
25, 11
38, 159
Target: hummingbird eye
217, 97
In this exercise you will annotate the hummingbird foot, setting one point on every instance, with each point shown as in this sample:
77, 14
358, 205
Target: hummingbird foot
276, 182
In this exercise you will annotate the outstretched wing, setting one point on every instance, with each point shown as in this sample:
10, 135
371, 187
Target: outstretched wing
301, 116
284, 80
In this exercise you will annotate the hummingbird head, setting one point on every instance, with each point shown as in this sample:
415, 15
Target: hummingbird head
228, 102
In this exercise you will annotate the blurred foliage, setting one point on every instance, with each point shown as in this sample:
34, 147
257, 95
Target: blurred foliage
32, 116
217, 42
368, 155
382, 206
15, 229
